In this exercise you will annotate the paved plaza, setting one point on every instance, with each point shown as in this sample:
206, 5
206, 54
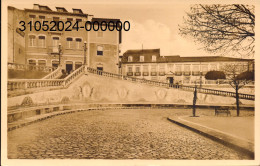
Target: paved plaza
115, 134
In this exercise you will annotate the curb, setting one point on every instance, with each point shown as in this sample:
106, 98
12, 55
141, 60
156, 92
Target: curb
234, 146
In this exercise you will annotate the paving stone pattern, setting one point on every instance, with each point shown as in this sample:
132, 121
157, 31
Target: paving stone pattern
114, 134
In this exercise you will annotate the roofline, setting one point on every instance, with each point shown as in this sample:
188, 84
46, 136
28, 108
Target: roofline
55, 12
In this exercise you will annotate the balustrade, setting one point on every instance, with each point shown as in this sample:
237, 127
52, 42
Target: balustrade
15, 66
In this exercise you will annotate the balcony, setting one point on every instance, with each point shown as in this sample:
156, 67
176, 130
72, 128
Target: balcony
195, 73
153, 73
137, 73
53, 50
161, 73
145, 73
186, 73
178, 73
129, 73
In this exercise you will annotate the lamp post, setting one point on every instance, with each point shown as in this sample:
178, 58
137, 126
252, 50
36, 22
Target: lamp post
59, 52
85, 50
120, 64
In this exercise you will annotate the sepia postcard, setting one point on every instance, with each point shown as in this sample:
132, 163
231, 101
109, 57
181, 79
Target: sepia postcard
129, 83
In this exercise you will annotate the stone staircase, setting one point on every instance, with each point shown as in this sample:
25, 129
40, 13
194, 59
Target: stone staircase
48, 83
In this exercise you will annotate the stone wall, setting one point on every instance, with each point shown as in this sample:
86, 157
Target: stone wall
96, 89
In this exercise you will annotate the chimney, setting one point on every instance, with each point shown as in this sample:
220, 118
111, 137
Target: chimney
36, 6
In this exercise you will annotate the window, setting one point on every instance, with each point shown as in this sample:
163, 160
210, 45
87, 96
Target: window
178, 68
70, 19
78, 64
32, 62
141, 58
32, 41
186, 68
41, 41
55, 41
204, 68
99, 34
162, 68
79, 20
130, 69
42, 18
78, 43
145, 68
153, 68
196, 68
100, 50
137, 69
32, 18
69, 42
153, 58
56, 19
42, 62
213, 67
130, 59
170, 67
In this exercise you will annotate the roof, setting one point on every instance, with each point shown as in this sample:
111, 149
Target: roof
81, 12
107, 20
65, 10
148, 53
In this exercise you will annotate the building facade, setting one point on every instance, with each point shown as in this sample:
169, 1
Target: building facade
98, 49
149, 64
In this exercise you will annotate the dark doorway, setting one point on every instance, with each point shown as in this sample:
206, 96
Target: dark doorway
171, 80
55, 63
68, 68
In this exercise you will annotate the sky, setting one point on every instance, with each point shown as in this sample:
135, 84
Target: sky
154, 24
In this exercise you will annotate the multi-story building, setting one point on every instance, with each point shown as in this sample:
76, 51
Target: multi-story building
149, 64
70, 49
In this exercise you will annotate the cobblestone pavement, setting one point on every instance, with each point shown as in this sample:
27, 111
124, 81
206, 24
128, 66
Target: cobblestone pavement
114, 134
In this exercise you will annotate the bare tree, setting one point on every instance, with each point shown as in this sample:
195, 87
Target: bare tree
221, 28
237, 76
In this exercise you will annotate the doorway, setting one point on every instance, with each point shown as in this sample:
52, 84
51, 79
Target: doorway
171, 80
69, 67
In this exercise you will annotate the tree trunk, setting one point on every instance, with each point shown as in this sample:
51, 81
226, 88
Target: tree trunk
237, 100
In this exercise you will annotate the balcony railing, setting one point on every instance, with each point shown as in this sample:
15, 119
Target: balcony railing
137, 73
53, 50
195, 73
162, 73
145, 73
178, 73
153, 73
129, 73
15, 66
186, 73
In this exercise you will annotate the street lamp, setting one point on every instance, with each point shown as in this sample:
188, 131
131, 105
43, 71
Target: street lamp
59, 52
85, 50
120, 64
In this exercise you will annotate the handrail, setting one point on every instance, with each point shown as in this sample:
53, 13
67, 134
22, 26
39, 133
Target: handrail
17, 66
75, 74
15, 84
56, 73
21, 84
168, 85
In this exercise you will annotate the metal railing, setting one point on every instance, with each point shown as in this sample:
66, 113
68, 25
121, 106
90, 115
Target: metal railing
168, 85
